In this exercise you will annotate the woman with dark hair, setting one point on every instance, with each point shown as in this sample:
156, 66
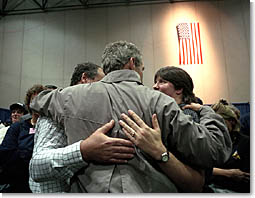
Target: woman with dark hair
177, 83
16, 149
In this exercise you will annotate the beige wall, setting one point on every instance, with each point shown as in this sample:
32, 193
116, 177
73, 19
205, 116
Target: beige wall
44, 48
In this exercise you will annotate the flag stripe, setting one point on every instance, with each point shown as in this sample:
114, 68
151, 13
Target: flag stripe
198, 29
196, 43
183, 57
189, 40
190, 52
192, 42
180, 59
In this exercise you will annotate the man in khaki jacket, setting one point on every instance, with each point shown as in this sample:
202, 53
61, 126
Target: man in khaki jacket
84, 108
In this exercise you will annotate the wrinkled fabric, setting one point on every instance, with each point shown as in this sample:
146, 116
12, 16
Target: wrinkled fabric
81, 109
52, 166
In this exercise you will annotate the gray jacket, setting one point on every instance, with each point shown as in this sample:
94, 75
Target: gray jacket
81, 109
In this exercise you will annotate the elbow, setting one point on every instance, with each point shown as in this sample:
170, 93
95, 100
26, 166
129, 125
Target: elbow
196, 184
34, 173
199, 187
195, 188
200, 182
221, 155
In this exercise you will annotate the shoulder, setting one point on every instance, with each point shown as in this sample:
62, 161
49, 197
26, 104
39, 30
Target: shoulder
195, 115
15, 126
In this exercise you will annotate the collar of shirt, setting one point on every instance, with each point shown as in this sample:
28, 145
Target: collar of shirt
122, 75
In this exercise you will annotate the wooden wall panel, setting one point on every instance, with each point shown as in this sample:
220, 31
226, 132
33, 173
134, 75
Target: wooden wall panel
236, 51
74, 43
96, 34
11, 63
32, 61
142, 35
53, 49
118, 24
45, 48
210, 78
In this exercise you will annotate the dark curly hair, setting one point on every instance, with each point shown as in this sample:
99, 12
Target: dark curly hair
35, 89
89, 68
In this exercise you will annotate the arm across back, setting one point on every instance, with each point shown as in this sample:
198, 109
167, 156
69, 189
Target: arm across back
49, 103
51, 158
205, 144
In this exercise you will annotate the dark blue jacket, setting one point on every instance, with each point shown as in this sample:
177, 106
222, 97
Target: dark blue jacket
15, 153
240, 159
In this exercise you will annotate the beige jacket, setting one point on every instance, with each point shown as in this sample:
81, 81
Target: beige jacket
81, 109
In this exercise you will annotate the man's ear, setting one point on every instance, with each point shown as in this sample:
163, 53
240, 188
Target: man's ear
131, 64
84, 78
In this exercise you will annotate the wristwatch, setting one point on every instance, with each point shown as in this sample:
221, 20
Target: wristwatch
164, 157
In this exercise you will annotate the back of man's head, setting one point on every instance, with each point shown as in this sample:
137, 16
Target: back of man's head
116, 55
90, 69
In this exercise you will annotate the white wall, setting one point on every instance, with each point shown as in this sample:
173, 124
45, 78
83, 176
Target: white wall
44, 48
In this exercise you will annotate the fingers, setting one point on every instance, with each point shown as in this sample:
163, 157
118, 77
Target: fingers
117, 161
127, 130
137, 119
193, 106
186, 107
246, 176
128, 134
155, 123
131, 123
120, 154
107, 127
121, 142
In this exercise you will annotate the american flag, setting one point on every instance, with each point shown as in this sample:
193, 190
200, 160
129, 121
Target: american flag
190, 51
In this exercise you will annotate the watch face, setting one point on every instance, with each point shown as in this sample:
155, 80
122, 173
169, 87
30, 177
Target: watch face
165, 158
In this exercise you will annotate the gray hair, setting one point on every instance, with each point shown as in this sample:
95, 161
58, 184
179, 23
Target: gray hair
117, 54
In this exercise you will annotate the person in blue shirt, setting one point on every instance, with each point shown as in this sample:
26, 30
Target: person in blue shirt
17, 111
16, 150
234, 174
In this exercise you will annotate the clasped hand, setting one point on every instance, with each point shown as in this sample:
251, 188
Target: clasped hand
100, 148
146, 138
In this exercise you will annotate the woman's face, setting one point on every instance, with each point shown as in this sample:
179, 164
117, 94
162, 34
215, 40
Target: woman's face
165, 87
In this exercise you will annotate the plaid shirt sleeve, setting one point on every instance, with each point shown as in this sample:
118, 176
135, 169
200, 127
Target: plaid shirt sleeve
52, 158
